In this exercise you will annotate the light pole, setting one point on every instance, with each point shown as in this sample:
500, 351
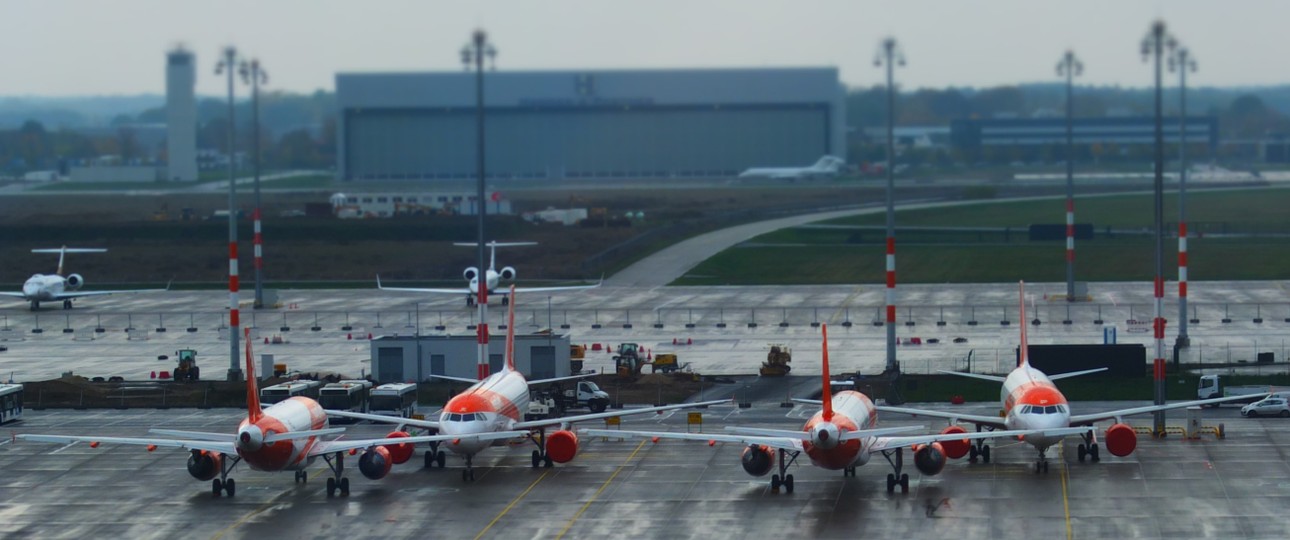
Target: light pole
1183, 62
228, 63
889, 55
474, 53
253, 74
1154, 45
1070, 67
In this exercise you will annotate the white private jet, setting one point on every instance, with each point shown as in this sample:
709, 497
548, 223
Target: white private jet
492, 278
49, 287
826, 166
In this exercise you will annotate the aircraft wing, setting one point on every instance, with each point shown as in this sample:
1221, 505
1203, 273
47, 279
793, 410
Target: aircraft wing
782, 443
558, 379
456, 290
12, 294
892, 443
224, 447
565, 420
343, 445
427, 424
547, 289
1085, 419
458, 379
981, 420
806, 436
1060, 376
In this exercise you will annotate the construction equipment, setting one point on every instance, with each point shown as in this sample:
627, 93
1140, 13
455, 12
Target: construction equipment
577, 354
187, 369
628, 361
776, 364
665, 362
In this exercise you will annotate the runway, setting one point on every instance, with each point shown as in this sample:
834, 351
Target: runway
1169, 488
716, 330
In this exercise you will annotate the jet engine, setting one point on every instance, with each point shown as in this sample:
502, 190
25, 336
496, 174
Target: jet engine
507, 273
470, 274
1121, 440
929, 459
955, 449
758, 459
400, 453
375, 463
75, 281
204, 465
561, 446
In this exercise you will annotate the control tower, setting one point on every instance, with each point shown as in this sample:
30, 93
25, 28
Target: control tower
181, 116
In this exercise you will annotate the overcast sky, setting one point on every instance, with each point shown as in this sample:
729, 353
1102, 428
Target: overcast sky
69, 47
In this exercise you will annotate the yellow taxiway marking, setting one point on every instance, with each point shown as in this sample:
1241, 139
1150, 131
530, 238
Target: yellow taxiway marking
844, 305
256, 512
512, 505
598, 491
1066, 504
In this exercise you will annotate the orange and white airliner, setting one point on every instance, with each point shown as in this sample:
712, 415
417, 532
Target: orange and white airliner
1031, 401
842, 436
281, 437
492, 409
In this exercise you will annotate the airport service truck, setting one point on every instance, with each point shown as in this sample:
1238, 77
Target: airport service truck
1215, 386
556, 400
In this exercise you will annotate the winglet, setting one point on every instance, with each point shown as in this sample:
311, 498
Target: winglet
1024, 357
253, 411
510, 332
826, 396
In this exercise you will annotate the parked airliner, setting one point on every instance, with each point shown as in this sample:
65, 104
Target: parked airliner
841, 436
281, 437
492, 410
1031, 401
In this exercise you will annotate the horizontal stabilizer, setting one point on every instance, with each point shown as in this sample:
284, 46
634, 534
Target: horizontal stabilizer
1060, 376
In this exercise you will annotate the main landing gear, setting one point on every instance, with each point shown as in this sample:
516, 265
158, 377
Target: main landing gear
338, 480
224, 483
979, 449
1088, 448
896, 478
783, 479
470, 300
540, 458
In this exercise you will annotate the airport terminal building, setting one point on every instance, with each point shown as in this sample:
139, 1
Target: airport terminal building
631, 124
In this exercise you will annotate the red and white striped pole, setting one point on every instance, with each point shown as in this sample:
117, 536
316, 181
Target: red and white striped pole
234, 323
481, 331
889, 56
259, 298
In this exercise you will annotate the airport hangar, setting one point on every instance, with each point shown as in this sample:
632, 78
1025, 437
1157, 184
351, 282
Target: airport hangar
588, 124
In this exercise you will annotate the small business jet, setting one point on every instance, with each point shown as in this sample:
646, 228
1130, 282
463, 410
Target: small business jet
492, 278
50, 287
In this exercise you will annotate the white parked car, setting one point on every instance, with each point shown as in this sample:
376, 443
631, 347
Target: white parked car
1270, 406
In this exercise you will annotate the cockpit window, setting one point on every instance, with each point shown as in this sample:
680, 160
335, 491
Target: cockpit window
1051, 409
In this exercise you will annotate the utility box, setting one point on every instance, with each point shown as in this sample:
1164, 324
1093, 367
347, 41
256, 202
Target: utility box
1193, 421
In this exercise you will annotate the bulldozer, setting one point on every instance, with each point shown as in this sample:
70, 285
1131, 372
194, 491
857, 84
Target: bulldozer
776, 364
187, 370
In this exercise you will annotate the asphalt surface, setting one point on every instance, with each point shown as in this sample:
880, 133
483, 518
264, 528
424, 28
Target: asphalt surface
1237, 487
713, 330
